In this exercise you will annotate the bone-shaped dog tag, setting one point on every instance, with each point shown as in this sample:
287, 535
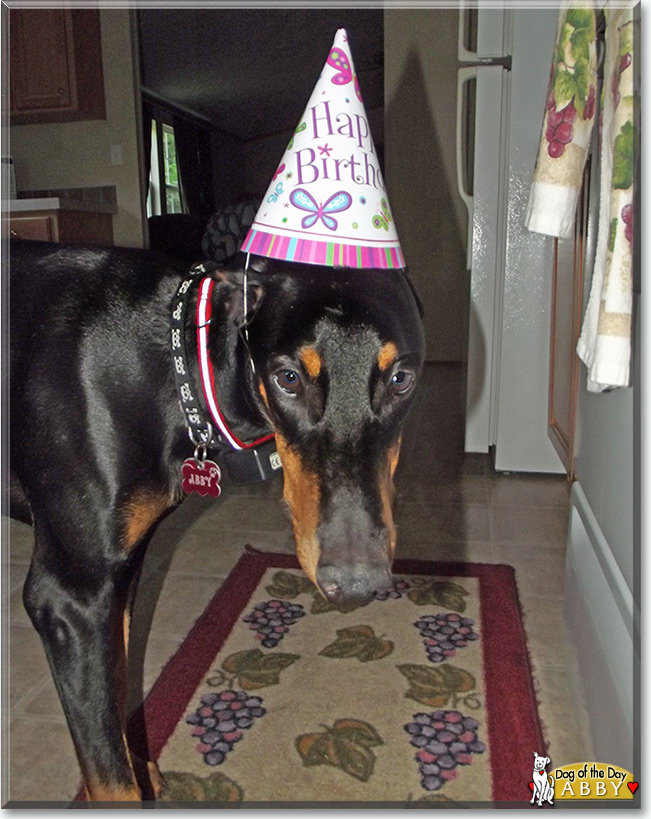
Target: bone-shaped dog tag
201, 477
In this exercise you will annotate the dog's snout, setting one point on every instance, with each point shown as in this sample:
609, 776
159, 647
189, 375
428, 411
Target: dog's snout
332, 591
350, 586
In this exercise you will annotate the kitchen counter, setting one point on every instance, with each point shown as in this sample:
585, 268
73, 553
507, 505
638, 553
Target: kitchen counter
83, 215
31, 205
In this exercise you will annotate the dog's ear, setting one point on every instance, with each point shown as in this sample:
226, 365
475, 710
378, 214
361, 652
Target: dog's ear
259, 264
414, 292
241, 310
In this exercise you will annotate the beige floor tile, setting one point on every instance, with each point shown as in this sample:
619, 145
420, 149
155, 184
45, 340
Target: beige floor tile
193, 551
235, 512
17, 574
539, 570
42, 770
29, 667
286, 543
563, 720
543, 620
467, 489
17, 614
429, 522
435, 466
475, 552
45, 704
546, 526
21, 541
529, 490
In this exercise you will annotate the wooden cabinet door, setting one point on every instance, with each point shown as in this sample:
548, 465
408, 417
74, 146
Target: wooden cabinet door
56, 72
37, 228
569, 257
42, 60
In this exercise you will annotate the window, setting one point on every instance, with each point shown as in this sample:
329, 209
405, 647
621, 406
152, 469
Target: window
164, 190
181, 178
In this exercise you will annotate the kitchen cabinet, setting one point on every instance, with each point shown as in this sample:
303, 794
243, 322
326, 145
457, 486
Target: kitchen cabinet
59, 220
567, 289
55, 65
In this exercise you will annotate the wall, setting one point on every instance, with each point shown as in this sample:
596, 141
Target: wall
420, 73
604, 467
607, 442
228, 168
602, 576
260, 158
77, 154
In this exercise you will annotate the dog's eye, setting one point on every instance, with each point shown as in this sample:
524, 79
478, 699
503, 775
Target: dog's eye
402, 382
289, 381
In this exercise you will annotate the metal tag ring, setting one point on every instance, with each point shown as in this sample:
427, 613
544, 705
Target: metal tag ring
206, 436
200, 455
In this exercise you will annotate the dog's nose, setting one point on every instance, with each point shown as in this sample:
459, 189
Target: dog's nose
349, 587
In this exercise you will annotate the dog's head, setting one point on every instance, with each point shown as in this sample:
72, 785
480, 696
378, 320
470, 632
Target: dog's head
539, 762
337, 357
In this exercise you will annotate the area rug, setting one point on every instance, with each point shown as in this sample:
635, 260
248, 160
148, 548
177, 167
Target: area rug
277, 699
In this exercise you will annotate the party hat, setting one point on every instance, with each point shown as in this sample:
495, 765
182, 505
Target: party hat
327, 203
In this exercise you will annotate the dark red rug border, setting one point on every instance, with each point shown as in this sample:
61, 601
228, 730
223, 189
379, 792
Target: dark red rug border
514, 729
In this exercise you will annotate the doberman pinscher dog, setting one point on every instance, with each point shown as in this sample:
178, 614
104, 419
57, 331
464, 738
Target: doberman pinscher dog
329, 365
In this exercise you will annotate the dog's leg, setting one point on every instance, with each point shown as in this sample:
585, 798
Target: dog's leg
77, 605
147, 773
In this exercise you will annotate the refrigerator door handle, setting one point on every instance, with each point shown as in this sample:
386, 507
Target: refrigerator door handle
464, 56
464, 75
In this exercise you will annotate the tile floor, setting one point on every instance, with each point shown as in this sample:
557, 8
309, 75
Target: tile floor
450, 506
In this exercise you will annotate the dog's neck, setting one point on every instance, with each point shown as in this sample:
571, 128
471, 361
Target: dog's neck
235, 382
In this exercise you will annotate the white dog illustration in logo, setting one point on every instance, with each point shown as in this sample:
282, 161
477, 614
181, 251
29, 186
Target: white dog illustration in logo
543, 785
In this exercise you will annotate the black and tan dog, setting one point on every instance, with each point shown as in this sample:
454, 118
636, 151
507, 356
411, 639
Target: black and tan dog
98, 439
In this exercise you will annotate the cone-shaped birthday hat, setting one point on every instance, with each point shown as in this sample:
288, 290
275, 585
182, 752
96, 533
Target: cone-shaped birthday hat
326, 203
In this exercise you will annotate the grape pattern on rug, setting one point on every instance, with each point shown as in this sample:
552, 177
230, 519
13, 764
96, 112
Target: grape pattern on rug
444, 633
444, 739
220, 722
271, 620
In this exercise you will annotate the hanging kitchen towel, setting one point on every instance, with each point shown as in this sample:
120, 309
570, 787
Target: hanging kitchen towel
605, 341
567, 125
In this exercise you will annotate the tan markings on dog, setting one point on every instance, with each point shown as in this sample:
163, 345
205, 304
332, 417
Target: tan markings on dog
387, 355
157, 779
140, 513
120, 667
126, 626
302, 495
388, 492
148, 771
311, 361
263, 393
105, 793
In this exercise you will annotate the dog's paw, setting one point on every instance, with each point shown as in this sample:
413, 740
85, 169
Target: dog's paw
156, 778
